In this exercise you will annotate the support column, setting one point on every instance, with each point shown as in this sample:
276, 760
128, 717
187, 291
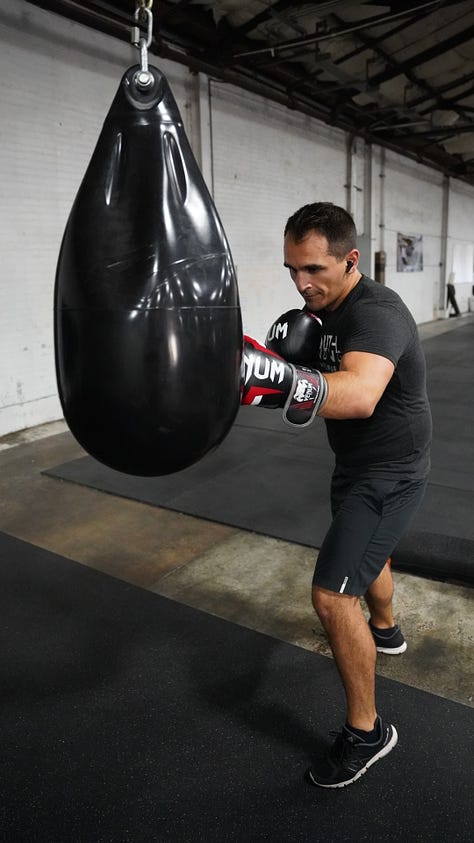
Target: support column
443, 270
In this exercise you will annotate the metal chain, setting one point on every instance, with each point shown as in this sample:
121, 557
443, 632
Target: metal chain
143, 10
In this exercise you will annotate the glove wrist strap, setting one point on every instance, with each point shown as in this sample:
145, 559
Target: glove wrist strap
307, 395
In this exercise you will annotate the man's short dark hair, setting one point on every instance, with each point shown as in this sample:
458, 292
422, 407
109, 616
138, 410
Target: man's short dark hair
333, 222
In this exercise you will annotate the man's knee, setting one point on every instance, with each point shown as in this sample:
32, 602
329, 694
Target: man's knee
330, 605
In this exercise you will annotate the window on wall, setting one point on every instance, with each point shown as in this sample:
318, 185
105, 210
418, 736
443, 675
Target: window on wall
462, 266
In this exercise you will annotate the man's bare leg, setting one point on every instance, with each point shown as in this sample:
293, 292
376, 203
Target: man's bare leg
354, 652
379, 599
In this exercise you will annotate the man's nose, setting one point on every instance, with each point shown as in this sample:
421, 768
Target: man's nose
301, 280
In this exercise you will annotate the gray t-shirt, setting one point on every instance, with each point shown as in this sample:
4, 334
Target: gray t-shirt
396, 438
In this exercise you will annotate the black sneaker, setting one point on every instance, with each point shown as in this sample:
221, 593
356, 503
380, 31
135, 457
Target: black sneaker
350, 757
390, 641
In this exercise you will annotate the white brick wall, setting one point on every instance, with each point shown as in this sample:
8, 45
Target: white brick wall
461, 243
268, 162
413, 201
58, 81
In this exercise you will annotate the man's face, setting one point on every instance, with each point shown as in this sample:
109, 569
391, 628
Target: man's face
320, 278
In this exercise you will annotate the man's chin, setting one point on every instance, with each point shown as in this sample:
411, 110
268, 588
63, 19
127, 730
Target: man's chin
314, 304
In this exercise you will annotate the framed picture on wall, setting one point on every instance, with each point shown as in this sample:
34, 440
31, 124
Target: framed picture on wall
409, 252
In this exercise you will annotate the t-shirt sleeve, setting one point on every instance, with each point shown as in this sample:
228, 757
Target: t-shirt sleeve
379, 328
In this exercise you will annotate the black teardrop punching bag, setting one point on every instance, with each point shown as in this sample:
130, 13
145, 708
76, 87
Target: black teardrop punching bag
148, 330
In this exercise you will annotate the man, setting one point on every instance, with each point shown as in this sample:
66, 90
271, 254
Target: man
371, 392
451, 296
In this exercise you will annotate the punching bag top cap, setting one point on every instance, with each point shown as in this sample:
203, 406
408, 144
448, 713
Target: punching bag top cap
143, 98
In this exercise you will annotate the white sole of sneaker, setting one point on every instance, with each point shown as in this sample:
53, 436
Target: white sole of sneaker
384, 751
392, 651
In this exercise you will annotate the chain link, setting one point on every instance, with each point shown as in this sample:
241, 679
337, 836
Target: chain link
145, 13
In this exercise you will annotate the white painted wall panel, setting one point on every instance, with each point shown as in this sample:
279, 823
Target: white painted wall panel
58, 81
268, 162
412, 204
460, 244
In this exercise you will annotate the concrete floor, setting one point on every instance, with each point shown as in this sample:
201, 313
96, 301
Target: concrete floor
256, 581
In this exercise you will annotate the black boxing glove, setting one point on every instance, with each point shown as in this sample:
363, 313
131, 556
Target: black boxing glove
295, 336
270, 381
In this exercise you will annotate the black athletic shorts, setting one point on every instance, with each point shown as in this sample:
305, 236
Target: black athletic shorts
370, 515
